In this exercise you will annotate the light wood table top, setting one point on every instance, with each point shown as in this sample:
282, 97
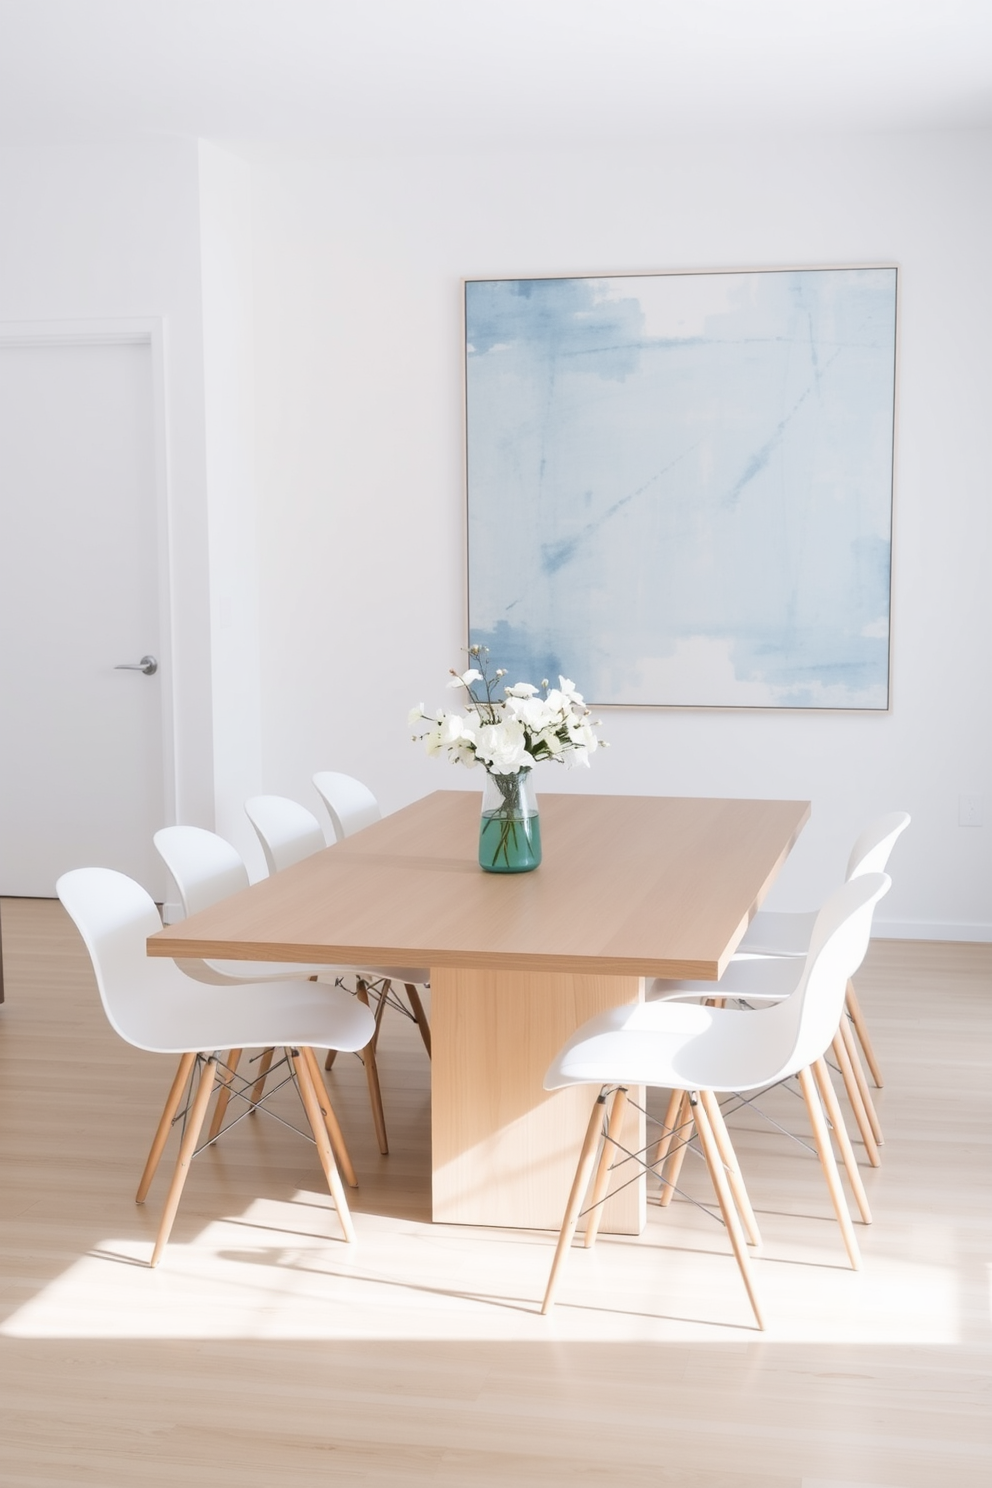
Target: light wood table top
629, 886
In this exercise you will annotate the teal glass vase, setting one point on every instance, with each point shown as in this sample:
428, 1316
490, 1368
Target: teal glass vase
510, 830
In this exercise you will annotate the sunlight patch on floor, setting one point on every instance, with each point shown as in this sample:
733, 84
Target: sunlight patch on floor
272, 1274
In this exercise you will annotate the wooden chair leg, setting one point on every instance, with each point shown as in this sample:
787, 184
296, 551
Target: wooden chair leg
859, 1075
312, 1108
208, 1075
224, 1093
372, 1072
836, 1119
684, 1124
165, 1126
725, 1199
334, 1132
668, 1126
864, 1038
264, 1065
854, 1097
329, 1058
821, 1138
420, 1015
729, 1158
602, 1180
579, 1185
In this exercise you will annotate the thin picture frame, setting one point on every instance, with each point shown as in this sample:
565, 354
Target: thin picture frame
760, 575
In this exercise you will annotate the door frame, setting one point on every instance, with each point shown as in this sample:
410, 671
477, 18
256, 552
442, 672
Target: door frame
144, 330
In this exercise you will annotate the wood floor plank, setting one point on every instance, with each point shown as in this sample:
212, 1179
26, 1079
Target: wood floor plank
262, 1352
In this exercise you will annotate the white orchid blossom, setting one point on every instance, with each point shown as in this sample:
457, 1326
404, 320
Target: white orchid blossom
511, 733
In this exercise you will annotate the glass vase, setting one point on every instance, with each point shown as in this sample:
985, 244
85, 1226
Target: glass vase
510, 830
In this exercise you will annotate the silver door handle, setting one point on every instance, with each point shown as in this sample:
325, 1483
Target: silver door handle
147, 664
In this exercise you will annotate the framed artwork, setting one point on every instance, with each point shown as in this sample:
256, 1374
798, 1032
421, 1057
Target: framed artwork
680, 485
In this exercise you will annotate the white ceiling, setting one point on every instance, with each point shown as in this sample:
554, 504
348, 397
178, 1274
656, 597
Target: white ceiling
447, 74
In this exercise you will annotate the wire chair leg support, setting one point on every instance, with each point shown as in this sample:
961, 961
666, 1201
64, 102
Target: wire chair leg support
579, 1185
601, 1183
864, 1038
208, 1076
725, 1199
821, 1137
165, 1126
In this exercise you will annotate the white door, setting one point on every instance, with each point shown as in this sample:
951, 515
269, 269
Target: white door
80, 742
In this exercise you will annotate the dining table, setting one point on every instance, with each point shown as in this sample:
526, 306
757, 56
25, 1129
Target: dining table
630, 888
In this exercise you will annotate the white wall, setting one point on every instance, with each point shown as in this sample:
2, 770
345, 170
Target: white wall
359, 462
103, 232
163, 228
229, 386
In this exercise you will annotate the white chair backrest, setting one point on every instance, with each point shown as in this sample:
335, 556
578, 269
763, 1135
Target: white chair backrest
287, 831
350, 804
871, 851
115, 916
837, 948
206, 869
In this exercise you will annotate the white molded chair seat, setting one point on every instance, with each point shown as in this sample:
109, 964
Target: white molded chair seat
700, 1050
350, 804
155, 1007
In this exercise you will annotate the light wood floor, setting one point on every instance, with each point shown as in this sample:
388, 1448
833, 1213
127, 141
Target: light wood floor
264, 1352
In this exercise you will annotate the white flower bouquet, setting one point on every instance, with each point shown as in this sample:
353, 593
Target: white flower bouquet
512, 732
507, 730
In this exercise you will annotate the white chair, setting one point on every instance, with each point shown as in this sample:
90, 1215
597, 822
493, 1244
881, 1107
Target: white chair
780, 933
786, 936
207, 869
352, 807
289, 833
696, 1051
350, 804
154, 1006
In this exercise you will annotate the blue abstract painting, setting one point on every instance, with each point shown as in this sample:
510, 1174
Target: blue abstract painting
680, 485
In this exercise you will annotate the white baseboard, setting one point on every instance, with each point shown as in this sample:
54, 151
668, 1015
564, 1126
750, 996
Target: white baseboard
931, 930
